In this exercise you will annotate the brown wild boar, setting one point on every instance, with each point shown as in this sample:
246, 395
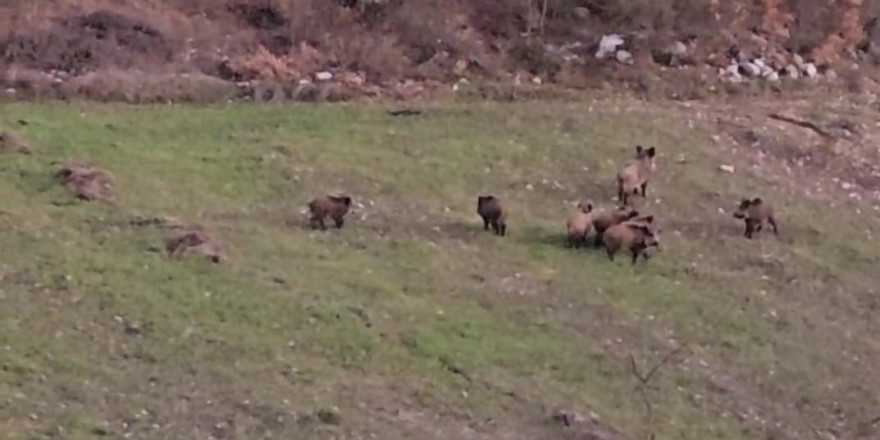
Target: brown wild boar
753, 213
334, 207
195, 241
633, 178
603, 220
636, 237
647, 220
493, 214
579, 224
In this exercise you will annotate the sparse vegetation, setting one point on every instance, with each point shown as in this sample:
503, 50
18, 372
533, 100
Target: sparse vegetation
381, 43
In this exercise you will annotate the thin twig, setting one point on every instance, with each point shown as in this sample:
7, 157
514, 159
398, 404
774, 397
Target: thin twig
663, 361
543, 15
801, 123
644, 383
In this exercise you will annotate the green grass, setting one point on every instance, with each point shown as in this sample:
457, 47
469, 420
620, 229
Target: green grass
412, 308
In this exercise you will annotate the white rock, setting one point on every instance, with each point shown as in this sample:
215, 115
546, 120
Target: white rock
624, 57
750, 69
678, 48
323, 76
810, 70
792, 71
731, 73
608, 44
727, 168
797, 60
772, 76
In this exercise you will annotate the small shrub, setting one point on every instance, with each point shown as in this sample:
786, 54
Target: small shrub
533, 57
381, 57
90, 41
141, 87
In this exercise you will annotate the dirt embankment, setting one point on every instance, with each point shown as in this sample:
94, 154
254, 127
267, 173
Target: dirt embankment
337, 49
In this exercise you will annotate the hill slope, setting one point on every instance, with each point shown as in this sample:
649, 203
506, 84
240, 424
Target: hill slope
411, 321
195, 50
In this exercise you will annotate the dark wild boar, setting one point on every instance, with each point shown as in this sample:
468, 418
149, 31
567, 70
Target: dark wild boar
753, 212
493, 214
334, 207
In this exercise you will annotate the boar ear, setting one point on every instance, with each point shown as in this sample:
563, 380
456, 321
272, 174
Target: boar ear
649, 219
757, 201
652, 151
638, 149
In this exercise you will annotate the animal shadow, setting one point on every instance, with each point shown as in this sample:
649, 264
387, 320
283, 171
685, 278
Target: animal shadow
464, 231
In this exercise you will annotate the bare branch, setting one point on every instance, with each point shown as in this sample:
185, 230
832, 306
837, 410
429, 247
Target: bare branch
802, 123
663, 361
644, 384
543, 15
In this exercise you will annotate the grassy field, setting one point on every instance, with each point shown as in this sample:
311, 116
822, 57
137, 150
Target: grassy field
411, 322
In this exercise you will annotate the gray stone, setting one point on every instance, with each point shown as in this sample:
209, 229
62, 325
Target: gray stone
731, 73
791, 71
750, 69
678, 49
810, 70
608, 45
306, 92
624, 57
323, 76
